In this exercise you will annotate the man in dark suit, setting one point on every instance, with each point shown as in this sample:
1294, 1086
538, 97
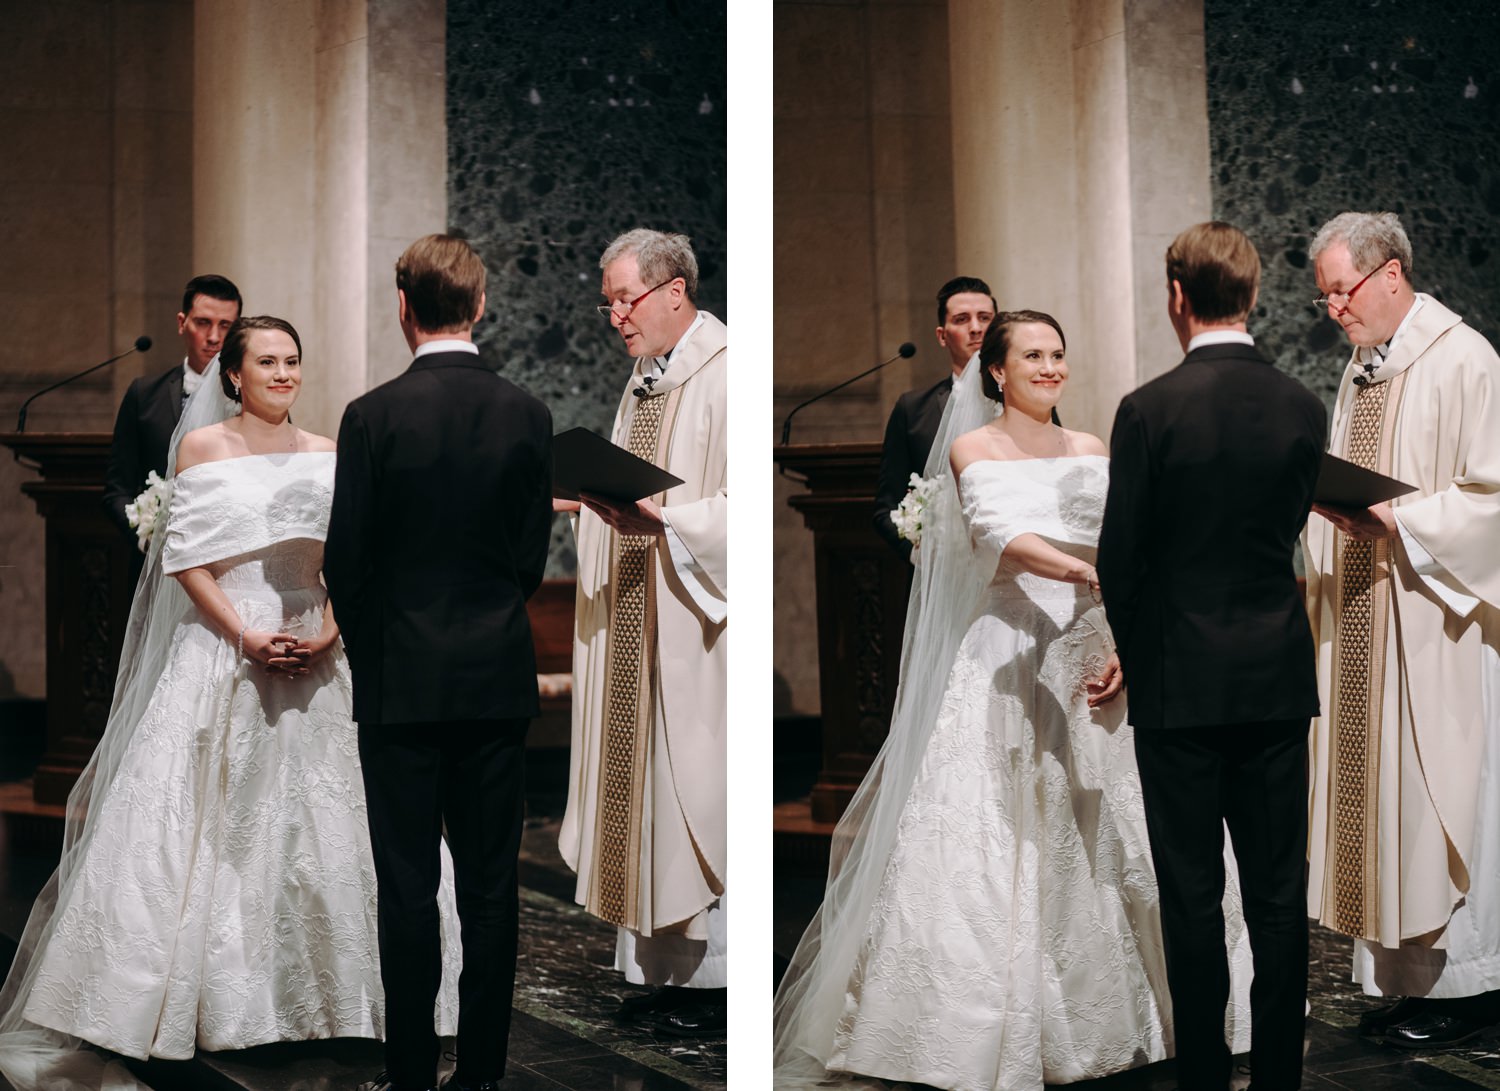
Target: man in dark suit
438, 535
965, 309
1211, 478
152, 404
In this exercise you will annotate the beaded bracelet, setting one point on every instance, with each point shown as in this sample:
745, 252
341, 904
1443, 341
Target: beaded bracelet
242, 641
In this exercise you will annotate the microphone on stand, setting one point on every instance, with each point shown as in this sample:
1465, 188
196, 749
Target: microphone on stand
905, 352
142, 343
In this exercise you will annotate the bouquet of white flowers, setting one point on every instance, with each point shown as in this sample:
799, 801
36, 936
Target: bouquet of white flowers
149, 509
909, 516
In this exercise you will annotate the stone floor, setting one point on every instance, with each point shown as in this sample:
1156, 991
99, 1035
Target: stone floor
562, 1035
1336, 1057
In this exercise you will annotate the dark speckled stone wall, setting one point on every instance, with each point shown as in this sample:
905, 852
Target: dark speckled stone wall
1319, 107
568, 123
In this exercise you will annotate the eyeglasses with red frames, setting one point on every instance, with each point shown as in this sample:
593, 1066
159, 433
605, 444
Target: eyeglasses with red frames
1327, 301
621, 309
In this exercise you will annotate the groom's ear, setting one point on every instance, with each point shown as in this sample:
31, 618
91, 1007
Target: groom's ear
401, 306
478, 314
1177, 303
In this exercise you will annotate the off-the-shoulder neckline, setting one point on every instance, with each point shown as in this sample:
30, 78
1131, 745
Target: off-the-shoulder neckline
1025, 461
241, 458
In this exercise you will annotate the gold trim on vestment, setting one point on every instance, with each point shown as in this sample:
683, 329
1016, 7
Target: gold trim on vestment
1357, 693
630, 675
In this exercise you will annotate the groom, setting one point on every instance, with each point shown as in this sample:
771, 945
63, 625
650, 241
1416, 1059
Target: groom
441, 516
1211, 478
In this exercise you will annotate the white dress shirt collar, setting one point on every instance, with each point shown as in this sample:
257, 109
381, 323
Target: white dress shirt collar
191, 380
452, 344
1220, 337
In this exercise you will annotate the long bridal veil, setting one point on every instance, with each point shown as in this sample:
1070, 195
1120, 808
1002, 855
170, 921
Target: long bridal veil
34, 1057
949, 580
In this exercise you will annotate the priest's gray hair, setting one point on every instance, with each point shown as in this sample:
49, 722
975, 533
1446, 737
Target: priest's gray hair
660, 255
1373, 238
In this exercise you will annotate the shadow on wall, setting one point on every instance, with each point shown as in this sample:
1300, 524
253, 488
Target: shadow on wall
781, 695
23, 730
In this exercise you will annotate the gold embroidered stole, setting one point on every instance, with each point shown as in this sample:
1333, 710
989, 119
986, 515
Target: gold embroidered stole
630, 678
1362, 606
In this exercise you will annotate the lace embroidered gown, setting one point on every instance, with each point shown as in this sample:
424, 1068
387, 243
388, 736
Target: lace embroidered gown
227, 894
1015, 938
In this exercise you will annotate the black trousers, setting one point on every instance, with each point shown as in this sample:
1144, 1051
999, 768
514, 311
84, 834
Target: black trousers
1254, 778
419, 778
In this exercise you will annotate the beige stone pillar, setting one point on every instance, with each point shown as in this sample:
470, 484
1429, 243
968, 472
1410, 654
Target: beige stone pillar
1080, 147
321, 150
1170, 171
864, 239
96, 227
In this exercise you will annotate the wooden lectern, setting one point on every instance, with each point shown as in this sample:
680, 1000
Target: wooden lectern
90, 580
862, 586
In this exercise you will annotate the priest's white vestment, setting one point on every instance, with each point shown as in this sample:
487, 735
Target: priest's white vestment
1405, 790
657, 867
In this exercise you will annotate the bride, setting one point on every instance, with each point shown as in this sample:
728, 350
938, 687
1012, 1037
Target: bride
216, 887
990, 919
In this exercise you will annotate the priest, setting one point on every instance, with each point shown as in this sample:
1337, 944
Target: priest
645, 827
1404, 599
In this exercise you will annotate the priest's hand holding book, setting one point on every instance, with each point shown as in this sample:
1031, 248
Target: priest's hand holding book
1362, 524
640, 517
589, 471
626, 517
1357, 500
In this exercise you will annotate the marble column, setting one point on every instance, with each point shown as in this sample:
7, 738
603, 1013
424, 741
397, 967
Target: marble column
321, 151
96, 224
864, 238
1080, 148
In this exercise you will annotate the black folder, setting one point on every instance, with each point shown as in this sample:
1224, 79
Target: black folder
1342, 484
585, 462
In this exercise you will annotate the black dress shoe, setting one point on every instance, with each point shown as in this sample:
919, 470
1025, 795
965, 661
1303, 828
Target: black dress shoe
694, 1020
1375, 1022
452, 1084
1433, 1029
383, 1082
656, 1002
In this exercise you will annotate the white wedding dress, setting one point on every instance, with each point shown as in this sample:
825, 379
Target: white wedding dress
225, 892
1014, 938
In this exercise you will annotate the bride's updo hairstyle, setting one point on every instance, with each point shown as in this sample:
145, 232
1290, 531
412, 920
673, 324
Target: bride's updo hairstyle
997, 344
232, 355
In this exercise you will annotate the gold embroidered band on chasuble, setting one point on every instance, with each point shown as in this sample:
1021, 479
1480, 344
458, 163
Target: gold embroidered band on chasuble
630, 674
1363, 605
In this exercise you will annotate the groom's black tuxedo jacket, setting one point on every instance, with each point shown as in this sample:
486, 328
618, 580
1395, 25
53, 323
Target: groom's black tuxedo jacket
1212, 468
148, 415
442, 509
